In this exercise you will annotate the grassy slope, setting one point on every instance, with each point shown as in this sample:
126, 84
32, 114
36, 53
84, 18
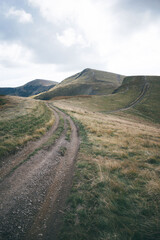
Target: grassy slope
87, 82
131, 88
148, 108
116, 188
21, 120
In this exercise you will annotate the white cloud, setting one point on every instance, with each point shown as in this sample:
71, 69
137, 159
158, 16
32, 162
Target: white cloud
120, 39
20, 14
86, 23
14, 54
81, 33
88, 18
138, 54
69, 38
55, 11
19, 76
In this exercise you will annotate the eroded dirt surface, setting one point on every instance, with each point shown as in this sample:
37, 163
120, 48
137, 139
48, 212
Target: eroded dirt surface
33, 196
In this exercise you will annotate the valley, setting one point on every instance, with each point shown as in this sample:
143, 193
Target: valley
85, 164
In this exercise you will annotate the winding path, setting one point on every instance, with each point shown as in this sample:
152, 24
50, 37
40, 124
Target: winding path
137, 100
33, 195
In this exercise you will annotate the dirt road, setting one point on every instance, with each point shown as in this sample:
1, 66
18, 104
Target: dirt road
33, 195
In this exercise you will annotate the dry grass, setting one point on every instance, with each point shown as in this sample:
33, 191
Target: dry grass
122, 168
22, 120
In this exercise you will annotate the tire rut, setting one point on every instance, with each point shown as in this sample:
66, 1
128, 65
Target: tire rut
15, 160
35, 194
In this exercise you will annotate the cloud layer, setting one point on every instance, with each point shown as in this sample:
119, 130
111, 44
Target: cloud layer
52, 39
20, 15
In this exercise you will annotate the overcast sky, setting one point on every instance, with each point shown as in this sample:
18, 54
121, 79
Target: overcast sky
53, 39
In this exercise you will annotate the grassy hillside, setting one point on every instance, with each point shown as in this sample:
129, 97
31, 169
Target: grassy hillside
124, 96
31, 88
87, 82
116, 187
21, 120
148, 108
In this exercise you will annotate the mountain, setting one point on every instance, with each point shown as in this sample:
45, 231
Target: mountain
31, 88
87, 82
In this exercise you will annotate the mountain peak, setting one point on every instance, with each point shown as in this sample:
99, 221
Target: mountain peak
40, 82
87, 82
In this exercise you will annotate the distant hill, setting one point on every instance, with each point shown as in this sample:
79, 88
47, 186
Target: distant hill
29, 89
87, 82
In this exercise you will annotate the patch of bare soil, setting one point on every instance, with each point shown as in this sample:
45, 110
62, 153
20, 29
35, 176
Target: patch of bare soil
33, 196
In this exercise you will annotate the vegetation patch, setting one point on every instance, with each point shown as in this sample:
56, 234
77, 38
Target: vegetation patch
56, 134
62, 151
68, 133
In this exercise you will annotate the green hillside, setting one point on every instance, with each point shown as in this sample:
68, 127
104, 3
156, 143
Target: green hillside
147, 104
87, 82
139, 91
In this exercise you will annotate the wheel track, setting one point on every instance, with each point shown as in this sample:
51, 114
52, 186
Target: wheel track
54, 203
14, 161
34, 195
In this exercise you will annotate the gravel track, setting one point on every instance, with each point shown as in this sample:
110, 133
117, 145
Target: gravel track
33, 196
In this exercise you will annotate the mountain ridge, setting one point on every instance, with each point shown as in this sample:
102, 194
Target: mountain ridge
87, 82
29, 89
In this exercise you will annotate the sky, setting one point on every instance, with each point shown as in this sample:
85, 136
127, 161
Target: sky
54, 39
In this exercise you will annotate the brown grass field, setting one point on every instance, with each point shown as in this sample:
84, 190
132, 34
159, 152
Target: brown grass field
116, 187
